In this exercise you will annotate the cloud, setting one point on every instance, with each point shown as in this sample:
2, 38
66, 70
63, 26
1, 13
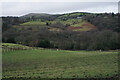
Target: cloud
21, 8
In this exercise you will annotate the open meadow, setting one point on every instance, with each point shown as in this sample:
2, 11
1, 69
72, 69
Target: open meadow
52, 63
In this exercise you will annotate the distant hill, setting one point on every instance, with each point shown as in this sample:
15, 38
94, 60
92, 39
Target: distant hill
58, 22
35, 15
61, 15
100, 21
76, 24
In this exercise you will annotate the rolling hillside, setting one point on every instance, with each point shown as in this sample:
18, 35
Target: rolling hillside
101, 21
75, 24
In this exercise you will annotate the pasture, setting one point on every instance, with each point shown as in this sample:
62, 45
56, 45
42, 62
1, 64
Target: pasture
72, 24
48, 63
34, 23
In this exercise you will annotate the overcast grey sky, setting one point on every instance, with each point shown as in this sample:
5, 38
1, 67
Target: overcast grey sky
22, 8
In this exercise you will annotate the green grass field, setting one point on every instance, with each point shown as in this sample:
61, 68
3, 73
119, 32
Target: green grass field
34, 23
38, 24
49, 63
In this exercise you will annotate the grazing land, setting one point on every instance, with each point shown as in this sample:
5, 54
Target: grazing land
52, 63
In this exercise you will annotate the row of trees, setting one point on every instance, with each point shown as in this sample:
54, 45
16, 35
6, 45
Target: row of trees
68, 40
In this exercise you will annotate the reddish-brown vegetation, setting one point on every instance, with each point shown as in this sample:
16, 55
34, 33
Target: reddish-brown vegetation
87, 24
71, 28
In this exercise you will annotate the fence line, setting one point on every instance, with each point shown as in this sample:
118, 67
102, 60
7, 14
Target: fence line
6, 49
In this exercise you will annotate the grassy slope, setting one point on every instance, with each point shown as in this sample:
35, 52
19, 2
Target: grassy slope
33, 23
62, 63
11, 45
75, 24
